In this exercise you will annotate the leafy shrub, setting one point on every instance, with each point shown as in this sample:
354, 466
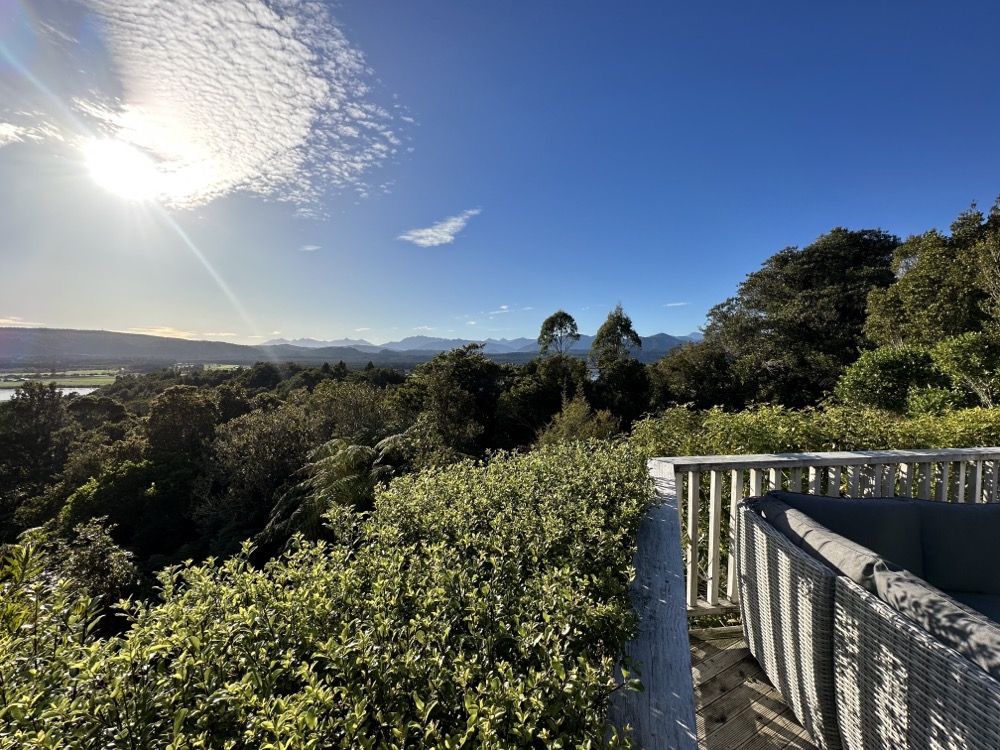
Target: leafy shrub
774, 429
482, 605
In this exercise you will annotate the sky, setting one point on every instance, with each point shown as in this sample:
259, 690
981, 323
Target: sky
243, 170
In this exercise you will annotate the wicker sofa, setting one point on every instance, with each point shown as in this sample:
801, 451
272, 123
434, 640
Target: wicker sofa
876, 619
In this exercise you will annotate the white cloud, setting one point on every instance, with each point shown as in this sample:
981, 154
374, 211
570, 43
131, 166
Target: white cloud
676, 304
441, 233
309, 248
166, 331
423, 328
15, 322
503, 309
362, 330
219, 335
230, 95
471, 323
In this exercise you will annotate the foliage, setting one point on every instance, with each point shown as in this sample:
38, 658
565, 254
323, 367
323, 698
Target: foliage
883, 378
558, 333
577, 421
696, 373
972, 361
773, 429
614, 340
939, 288
797, 322
485, 606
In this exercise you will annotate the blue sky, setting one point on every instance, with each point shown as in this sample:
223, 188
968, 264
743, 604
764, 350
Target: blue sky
247, 170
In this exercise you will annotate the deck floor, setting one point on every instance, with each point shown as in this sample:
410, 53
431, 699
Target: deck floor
736, 707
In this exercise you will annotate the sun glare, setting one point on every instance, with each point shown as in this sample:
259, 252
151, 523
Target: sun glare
123, 169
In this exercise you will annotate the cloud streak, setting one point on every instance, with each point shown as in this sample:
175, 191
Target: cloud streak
228, 96
442, 233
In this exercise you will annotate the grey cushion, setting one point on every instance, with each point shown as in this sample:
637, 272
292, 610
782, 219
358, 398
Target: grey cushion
890, 527
960, 546
972, 635
985, 604
841, 554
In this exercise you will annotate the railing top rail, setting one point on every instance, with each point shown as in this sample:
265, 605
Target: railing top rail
834, 458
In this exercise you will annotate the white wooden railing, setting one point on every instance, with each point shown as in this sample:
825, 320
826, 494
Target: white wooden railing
700, 484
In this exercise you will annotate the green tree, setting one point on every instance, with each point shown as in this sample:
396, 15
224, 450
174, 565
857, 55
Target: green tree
577, 421
181, 421
938, 290
797, 322
883, 378
558, 333
615, 339
698, 373
972, 361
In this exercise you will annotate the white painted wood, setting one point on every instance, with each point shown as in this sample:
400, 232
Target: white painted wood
662, 715
960, 495
795, 479
994, 478
853, 481
945, 484
878, 479
735, 496
693, 506
925, 481
756, 482
815, 479
906, 480
774, 479
977, 487
833, 486
835, 458
714, 537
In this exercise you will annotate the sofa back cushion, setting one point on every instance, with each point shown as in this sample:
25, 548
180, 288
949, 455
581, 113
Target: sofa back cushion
890, 527
840, 553
960, 543
972, 635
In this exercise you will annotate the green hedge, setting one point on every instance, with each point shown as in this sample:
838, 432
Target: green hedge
477, 606
774, 429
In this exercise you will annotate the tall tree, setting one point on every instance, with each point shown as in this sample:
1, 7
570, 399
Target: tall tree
797, 322
614, 340
558, 333
939, 289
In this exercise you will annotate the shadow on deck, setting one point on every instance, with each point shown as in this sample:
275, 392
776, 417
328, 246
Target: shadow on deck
735, 706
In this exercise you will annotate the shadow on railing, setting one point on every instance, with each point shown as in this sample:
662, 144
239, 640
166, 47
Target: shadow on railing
704, 485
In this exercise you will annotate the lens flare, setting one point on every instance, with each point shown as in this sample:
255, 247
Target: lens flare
123, 169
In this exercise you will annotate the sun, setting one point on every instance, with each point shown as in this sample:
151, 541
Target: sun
123, 169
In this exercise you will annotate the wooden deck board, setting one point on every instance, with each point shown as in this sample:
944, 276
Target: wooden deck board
736, 707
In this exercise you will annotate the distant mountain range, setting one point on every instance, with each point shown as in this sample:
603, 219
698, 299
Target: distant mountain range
62, 348
660, 342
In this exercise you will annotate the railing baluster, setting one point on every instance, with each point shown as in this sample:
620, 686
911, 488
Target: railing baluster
795, 480
833, 488
694, 490
925, 481
735, 496
815, 479
877, 476
994, 477
906, 479
756, 482
945, 483
714, 529
853, 480
962, 494
977, 496
774, 477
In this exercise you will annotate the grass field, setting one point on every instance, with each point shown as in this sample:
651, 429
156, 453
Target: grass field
68, 379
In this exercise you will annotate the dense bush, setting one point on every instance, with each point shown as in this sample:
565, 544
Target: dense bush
773, 429
483, 605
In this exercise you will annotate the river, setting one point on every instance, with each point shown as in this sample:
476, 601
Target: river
6, 394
